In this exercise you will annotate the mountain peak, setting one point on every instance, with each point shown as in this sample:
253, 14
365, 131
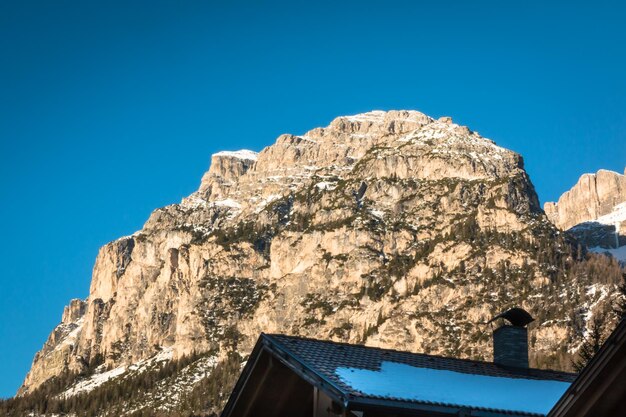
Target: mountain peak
378, 121
594, 195
389, 228
395, 143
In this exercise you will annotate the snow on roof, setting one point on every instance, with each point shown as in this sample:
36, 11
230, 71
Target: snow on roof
367, 373
406, 382
245, 154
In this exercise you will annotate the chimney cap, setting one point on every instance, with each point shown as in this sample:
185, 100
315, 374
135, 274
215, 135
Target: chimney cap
516, 316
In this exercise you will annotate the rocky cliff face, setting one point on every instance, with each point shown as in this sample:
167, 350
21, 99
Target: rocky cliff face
594, 211
593, 196
385, 228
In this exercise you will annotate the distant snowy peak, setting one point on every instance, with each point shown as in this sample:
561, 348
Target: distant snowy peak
594, 212
244, 154
592, 197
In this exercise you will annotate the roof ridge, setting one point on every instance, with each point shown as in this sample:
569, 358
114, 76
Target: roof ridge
520, 371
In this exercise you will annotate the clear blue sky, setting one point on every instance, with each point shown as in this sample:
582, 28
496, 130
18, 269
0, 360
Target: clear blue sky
111, 109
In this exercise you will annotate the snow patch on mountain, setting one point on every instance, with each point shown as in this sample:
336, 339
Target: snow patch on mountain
326, 185
228, 202
618, 215
194, 201
93, 381
101, 376
374, 115
245, 154
72, 336
263, 202
171, 391
617, 253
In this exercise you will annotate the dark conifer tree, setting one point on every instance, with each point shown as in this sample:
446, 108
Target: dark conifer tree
591, 343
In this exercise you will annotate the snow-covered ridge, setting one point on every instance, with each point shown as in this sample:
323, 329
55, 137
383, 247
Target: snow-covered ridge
244, 154
379, 116
373, 115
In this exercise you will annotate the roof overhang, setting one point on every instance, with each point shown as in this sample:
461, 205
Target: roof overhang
600, 389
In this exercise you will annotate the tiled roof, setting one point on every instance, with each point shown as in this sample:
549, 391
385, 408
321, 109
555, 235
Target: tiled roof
324, 358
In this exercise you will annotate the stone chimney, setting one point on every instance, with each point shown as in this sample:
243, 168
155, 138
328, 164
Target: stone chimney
510, 338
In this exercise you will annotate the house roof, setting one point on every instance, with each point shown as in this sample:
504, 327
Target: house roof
359, 377
599, 390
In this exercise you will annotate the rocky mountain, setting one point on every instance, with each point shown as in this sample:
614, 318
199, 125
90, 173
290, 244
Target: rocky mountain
594, 212
390, 229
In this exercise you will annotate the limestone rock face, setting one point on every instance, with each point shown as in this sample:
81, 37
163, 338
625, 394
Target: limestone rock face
226, 168
62, 344
594, 212
74, 311
385, 228
593, 196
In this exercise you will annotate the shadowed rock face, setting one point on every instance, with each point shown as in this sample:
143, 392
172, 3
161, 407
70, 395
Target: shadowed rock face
385, 228
598, 235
